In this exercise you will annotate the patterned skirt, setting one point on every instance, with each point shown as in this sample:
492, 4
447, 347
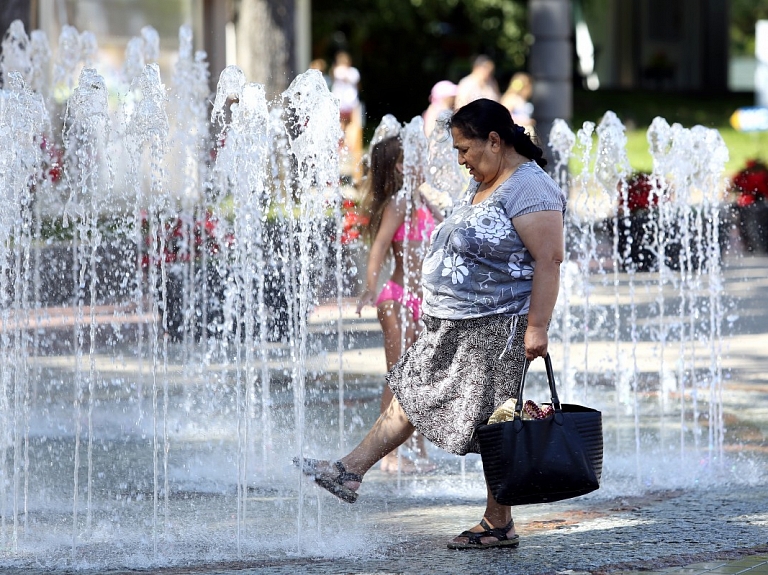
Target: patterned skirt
456, 374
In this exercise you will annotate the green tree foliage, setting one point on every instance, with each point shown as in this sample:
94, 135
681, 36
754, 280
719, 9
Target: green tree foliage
402, 47
744, 14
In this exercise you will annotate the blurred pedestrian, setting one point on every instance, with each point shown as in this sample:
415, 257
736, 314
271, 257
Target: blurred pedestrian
321, 65
479, 84
345, 80
441, 98
516, 99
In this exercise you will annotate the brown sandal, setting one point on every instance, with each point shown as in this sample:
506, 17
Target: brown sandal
499, 533
331, 481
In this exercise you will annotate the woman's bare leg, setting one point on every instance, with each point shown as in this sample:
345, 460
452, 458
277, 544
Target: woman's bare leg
390, 431
389, 314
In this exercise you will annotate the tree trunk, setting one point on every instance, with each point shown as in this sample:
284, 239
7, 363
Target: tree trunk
265, 42
216, 15
11, 10
550, 65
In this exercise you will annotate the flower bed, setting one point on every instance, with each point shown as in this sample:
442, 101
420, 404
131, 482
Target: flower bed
652, 227
750, 188
637, 215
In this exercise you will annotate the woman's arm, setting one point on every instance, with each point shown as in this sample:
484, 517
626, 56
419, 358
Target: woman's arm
425, 191
393, 216
542, 234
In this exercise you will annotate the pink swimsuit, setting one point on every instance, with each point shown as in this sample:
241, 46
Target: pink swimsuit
425, 225
419, 233
394, 292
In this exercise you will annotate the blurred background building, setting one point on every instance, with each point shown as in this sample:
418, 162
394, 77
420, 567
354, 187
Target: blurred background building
403, 48
268, 39
654, 44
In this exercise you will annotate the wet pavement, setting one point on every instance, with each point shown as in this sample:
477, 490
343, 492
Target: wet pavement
713, 520
665, 505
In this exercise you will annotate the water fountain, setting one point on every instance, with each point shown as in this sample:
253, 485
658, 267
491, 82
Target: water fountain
678, 298
157, 425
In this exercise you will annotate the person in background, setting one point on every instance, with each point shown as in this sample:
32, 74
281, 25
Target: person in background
322, 66
345, 80
441, 98
517, 97
490, 280
388, 208
480, 83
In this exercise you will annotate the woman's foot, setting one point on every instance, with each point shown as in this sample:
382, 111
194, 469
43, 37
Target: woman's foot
484, 535
332, 476
390, 464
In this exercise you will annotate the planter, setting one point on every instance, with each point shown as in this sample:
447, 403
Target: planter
753, 227
207, 307
354, 260
635, 242
208, 291
637, 247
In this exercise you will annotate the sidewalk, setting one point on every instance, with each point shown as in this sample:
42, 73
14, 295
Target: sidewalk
755, 565
716, 526
657, 511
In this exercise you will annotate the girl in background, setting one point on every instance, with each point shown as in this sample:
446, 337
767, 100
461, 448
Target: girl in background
517, 100
406, 242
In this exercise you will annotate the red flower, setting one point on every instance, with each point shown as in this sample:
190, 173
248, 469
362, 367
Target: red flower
641, 194
54, 160
751, 183
347, 237
185, 239
354, 222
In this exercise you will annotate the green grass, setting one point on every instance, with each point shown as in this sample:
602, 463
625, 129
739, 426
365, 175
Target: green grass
638, 109
742, 146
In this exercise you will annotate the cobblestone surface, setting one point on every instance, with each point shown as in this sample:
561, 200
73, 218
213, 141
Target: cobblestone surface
613, 530
587, 535
692, 514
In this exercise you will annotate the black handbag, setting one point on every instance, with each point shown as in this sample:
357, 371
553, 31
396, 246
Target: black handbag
543, 460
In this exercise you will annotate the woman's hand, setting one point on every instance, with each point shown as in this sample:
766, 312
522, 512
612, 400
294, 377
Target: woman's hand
368, 297
536, 342
435, 200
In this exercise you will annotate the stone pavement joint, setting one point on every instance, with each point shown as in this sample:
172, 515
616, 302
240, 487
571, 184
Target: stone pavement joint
752, 561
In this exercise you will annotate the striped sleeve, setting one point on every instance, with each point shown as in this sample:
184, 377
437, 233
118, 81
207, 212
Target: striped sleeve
532, 190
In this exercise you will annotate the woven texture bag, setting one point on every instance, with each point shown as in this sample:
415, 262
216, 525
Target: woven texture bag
543, 460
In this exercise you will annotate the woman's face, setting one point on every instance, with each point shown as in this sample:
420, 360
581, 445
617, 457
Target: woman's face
475, 155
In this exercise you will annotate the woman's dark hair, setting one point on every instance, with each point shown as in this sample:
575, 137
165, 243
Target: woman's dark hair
383, 182
478, 119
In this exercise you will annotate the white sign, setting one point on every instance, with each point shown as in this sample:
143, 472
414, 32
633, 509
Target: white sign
761, 40
750, 119
761, 70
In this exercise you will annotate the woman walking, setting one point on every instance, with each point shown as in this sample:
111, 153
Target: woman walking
490, 283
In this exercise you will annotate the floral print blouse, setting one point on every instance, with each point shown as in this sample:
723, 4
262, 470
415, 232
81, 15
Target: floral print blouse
477, 264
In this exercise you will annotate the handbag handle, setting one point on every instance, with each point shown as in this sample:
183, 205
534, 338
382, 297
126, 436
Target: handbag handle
550, 380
